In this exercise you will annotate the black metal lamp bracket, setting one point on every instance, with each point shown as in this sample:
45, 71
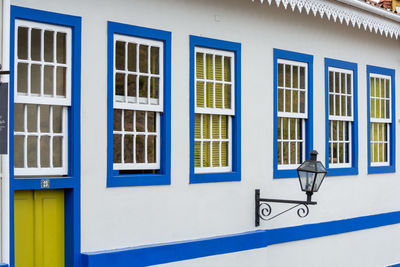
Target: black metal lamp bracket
263, 208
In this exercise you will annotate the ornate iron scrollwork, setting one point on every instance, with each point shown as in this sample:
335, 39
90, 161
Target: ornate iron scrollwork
263, 209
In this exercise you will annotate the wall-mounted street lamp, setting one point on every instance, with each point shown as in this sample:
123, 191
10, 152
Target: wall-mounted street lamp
311, 173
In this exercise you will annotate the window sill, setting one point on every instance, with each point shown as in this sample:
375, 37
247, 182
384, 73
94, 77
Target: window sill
342, 171
381, 169
120, 180
197, 178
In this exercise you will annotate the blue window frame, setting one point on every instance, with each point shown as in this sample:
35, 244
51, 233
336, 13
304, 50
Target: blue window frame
220, 167
146, 59
381, 119
341, 117
293, 111
70, 183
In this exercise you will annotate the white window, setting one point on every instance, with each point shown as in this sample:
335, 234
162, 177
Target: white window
214, 109
292, 113
42, 97
138, 103
340, 117
381, 119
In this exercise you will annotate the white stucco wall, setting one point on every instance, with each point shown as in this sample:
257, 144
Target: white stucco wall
130, 216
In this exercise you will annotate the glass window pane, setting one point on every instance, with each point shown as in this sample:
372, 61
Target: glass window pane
48, 46
224, 127
154, 88
61, 81
132, 54
302, 78
143, 88
140, 149
57, 119
206, 126
285, 128
343, 83
197, 123
117, 120
209, 67
218, 95
280, 99
32, 118
280, 75
285, 153
337, 105
343, 99
288, 76
227, 96
197, 154
349, 82
295, 77
18, 117
48, 80
302, 102
35, 44
32, 151
128, 120
120, 84
215, 154
143, 58
61, 47
140, 123
120, 55
151, 121
128, 148
209, 95
200, 94
349, 106
227, 69
331, 104
215, 126
44, 118
206, 154
132, 85
22, 78
295, 101
155, 60
224, 154
35, 78
337, 82
22, 43
331, 85
151, 149
57, 151
218, 68
292, 153
117, 148
45, 151
199, 65
292, 123
288, 100
18, 151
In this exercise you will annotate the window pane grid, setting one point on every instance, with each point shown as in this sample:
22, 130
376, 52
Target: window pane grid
40, 140
380, 119
292, 112
341, 118
138, 103
42, 63
214, 109
138, 74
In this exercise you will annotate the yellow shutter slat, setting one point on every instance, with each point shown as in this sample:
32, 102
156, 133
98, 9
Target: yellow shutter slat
200, 65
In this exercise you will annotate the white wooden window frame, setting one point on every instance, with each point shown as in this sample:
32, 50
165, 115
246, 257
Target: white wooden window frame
215, 111
345, 119
42, 99
130, 103
385, 121
292, 115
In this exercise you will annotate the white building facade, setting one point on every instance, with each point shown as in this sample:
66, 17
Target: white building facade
139, 132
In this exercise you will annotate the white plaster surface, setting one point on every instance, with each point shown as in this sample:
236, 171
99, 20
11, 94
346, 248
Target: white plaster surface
131, 216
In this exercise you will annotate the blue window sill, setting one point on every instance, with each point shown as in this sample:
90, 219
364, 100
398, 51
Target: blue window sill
341, 171
383, 169
278, 174
117, 180
214, 177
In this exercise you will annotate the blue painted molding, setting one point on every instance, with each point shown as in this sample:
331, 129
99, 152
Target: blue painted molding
114, 178
3, 265
71, 184
178, 251
353, 170
392, 128
235, 174
309, 59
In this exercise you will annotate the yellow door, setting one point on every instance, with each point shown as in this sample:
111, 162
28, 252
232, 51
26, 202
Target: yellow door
39, 228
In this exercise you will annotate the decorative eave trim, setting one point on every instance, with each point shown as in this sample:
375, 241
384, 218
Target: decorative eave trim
343, 13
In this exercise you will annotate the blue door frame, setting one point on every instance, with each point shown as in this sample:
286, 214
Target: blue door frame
71, 183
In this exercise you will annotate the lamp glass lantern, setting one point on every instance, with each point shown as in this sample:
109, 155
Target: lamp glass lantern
311, 173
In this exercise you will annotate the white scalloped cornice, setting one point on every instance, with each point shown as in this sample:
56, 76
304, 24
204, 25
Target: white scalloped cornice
343, 13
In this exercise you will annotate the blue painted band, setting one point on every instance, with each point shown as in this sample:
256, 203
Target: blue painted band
3, 265
178, 251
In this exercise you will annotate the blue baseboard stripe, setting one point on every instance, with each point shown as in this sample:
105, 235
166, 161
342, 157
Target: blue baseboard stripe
178, 251
3, 265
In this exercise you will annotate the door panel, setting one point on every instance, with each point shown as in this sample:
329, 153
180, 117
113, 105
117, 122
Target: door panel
39, 216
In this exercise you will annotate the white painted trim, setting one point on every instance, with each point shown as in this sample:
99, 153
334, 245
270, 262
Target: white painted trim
355, 13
